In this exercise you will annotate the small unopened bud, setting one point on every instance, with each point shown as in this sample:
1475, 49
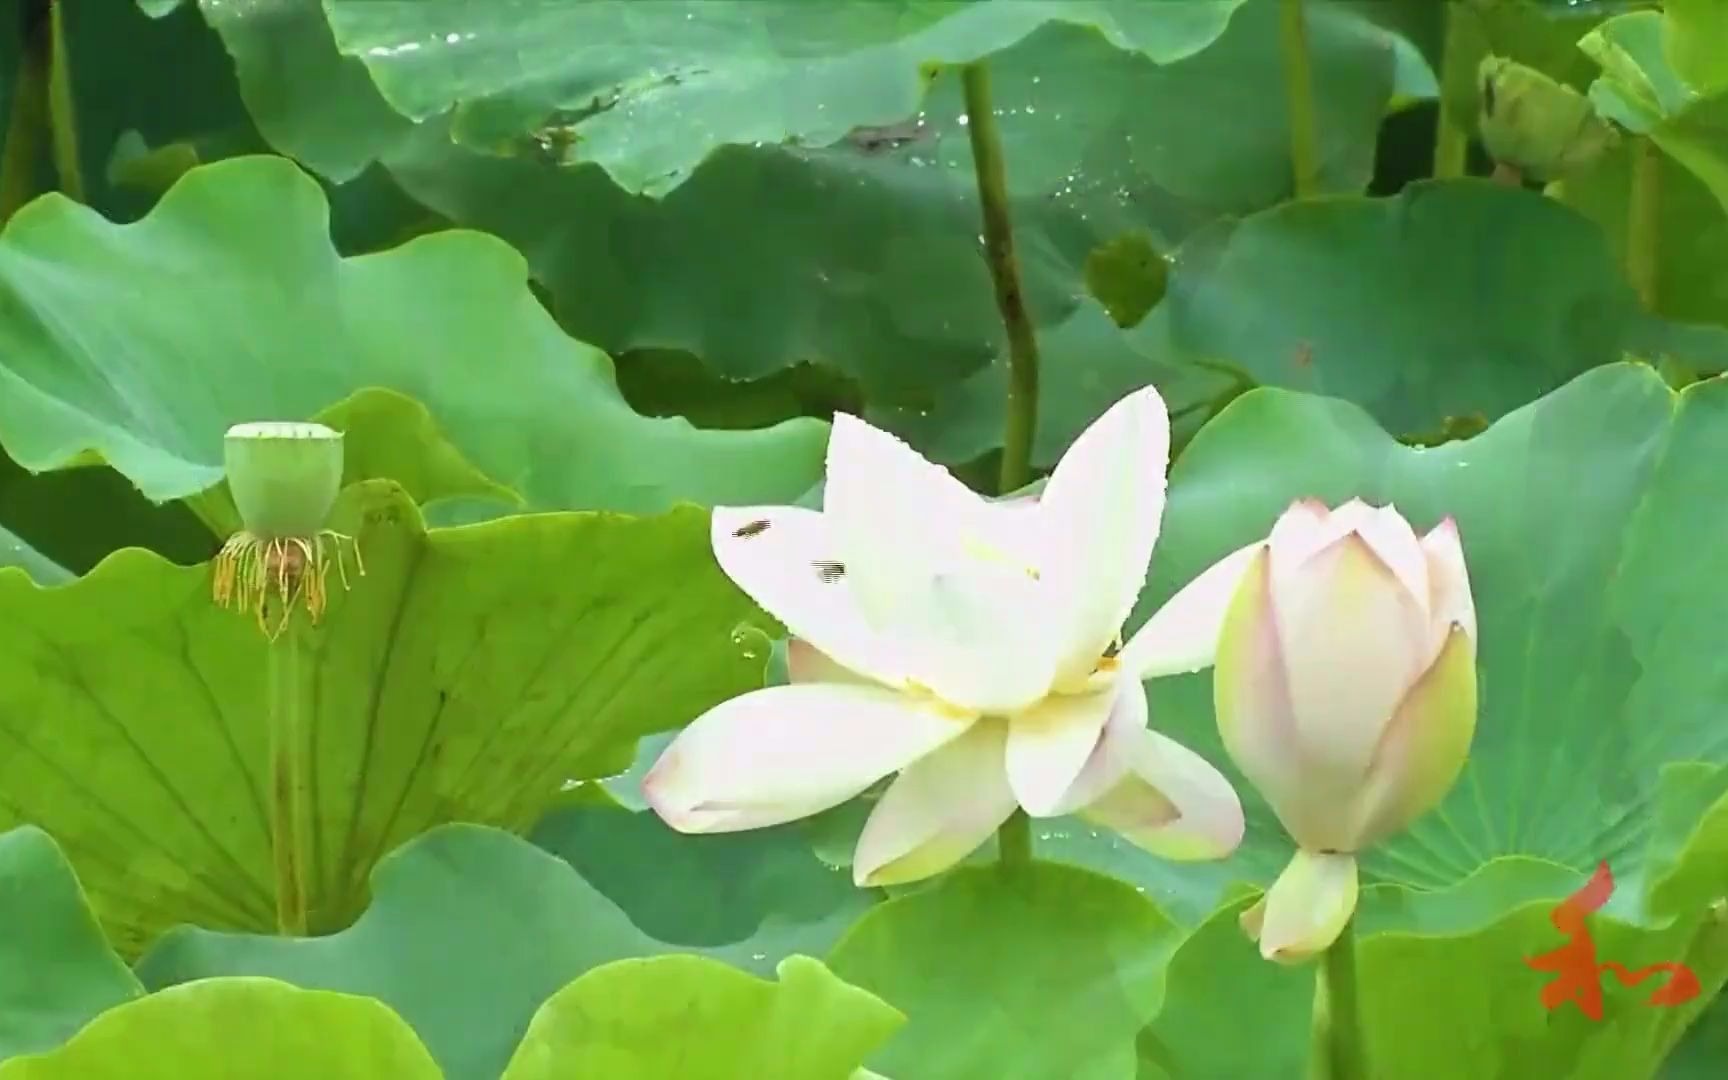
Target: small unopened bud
284, 478
1542, 128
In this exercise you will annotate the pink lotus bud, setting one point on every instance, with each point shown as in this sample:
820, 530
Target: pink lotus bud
1345, 689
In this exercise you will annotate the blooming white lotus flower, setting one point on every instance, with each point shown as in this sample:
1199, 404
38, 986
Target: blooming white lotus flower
968, 646
1345, 690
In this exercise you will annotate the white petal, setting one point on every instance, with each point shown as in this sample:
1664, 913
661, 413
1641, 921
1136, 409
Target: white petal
1353, 641
1172, 802
785, 752
1102, 509
1051, 742
1111, 758
1449, 581
785, 559
1182, 636
977, 641
896, 517
938, 811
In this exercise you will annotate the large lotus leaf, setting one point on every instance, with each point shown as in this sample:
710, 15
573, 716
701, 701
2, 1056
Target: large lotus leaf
1451, 299
691, 1018
56, 971
224, 1028
1691, 243
1580, 516
870, 245
144, 342
1042, 971
647, 91
467, 675
750, 898
469, 931
1445, 988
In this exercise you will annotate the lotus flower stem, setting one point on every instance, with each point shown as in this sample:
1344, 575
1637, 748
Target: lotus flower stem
1451, 137
1643, 221
1299, 90
62, 113
1014, 841
288, 811
1344, 1051
1022, 413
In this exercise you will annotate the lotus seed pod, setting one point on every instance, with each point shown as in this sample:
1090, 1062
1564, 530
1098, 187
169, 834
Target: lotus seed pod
284, 477
1532, 123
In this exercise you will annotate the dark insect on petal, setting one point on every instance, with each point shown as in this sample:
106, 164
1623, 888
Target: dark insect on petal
830, 572
749, 529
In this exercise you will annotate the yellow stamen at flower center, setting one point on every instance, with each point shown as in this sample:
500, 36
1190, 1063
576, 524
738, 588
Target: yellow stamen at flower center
249, 569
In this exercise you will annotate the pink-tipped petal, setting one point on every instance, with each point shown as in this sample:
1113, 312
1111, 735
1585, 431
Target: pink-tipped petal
786, 752
1354, 640
1182, 636
1050, 743
1102, 509
785, 558
1251, 700
1172, 802
1425, 746
1451, 602
1391, 538
1306, 909
939, 810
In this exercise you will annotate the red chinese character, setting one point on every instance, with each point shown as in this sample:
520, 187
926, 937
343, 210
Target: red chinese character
1576, 964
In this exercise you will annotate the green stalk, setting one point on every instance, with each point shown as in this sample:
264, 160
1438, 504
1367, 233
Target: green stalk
62, 115
28, 123
1345, 1056
1014, 839
1643, 220
992, 174
288, 810
1299, 90
1451, 137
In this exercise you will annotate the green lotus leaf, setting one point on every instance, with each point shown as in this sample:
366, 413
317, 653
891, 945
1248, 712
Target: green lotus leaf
222, 1028
1391, 303
467, 675
56, 971
1448, 993
870, 244
648, 91
750, 899
1038, 971
469, 931
184, 328
693, 1018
